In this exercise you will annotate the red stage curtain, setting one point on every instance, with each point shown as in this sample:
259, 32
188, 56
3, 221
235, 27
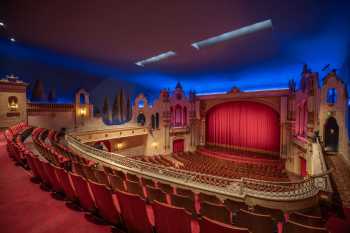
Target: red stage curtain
244, 124
178, 145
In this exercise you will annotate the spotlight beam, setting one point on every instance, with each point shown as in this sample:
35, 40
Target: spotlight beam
233, 34
156, 58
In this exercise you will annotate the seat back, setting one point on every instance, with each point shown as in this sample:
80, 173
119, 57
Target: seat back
135, 188
32, 166
203, 197
256, 223
294, 227
104, 202
39, 167
215, 212
77, 168
108, 170
56, 183
235, 206
155, 194
183, 202
132, 177
82, 190
306, 219
120, 173
209, 226
88, 172
170, 219
101, 177
66, 183
276, 214
166, 188
185, 192
117, 182
148, 182
134, 214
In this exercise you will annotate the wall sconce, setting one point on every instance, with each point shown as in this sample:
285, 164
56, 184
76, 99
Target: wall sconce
82, 112
120, 146
154, 144
13, 106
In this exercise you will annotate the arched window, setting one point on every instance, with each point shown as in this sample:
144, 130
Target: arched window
178, 116
184, 116
13, 103
82, 98
153, 119
157, 120
331, 96
141, 104
141, 119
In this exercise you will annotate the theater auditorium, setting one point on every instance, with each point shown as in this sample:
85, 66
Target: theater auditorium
174, 116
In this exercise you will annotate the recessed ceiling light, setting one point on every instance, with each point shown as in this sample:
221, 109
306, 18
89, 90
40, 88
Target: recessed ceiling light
2, 24
233, 34
12, 39
156, 58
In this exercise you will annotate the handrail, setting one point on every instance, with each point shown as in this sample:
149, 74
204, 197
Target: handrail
281, 191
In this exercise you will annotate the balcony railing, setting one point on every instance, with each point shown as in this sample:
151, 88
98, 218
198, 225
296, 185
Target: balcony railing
239, 188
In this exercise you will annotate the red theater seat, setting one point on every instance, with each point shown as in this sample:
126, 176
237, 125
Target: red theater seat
169, 219
32, 166
210, 226
256, 223
82, 190
101, 177
167, 188
183, 202
132, 177
134, 213
209, 198
215, 212
185, 192
135, 188
306, 219
104, 201
148, 182
66, 184
41, 170
117, 182
294, 227
154, 194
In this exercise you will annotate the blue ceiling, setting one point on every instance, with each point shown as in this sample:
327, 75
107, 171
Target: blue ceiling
106, 46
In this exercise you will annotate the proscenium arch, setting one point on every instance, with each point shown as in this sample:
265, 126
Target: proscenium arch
331, 134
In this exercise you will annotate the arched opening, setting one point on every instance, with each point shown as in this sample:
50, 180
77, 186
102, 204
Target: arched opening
141, 104
13, 103
178, 145
141, 119
153, 121
331, 135
331, 96
178, 116
82, 98
184, 116
157, 120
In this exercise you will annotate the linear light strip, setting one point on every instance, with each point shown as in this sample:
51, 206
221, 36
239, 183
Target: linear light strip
233, 34
156, 58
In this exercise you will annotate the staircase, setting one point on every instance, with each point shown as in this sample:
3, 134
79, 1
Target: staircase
340, 176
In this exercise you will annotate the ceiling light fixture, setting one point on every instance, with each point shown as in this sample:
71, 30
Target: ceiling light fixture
2, 24
12, 39
156, 58
233, 34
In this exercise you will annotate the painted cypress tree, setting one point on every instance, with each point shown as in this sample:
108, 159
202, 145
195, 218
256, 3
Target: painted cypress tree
38, 93
122, 105
105, 108
128, 109
51, 97
116, 108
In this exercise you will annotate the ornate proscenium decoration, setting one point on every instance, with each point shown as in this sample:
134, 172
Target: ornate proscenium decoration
13, 103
